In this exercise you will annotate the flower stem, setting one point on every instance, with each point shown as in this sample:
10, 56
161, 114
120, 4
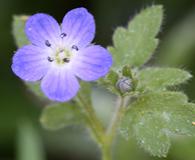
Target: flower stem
95, 125
118, 114
112, 129
106, 152
102, 137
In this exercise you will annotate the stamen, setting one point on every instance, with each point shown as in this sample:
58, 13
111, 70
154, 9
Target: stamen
61, 50
50, 59
75, 47
66, 60
47, 43
63, 35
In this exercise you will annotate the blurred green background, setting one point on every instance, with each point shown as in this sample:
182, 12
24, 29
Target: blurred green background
21, 135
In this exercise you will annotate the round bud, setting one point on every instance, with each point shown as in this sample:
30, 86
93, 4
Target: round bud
124, 84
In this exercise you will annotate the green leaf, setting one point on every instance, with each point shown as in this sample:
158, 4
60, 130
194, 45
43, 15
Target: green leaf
18, 26
136, 44
151, 137
182, 120
34, 87
160, 78
126, 71
154, 117
61, 115
109, 81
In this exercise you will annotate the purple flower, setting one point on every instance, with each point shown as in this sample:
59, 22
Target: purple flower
58, 55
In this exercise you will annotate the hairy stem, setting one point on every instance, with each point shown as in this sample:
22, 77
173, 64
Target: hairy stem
103, 138
117, 116
112, 128
94, 123
106, 152
111, 131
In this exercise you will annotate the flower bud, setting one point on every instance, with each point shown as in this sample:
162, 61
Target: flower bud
124, 84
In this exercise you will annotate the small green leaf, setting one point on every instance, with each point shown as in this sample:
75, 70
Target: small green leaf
156, 116
112, 77
34, 87
160, 78
18, 26
60, 115
136, 44
126, 71
109, 81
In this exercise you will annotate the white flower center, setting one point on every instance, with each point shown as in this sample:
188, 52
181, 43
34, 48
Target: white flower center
61, 55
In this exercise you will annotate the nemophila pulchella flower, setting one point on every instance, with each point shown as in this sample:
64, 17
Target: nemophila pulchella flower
60, 54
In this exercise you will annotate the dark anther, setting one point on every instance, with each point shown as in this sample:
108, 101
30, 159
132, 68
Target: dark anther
75, 47
66, 60
61, 50
47, 43
50, 59
63, 35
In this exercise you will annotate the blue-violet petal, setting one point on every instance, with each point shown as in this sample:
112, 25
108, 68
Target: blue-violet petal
92, 63
43, 30
79, 26
60, 84
30, 63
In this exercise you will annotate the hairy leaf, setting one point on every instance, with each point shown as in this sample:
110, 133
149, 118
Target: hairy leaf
160, 78
60, 115
135, 45
154, 117
126, 71
110, 81
18, 26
